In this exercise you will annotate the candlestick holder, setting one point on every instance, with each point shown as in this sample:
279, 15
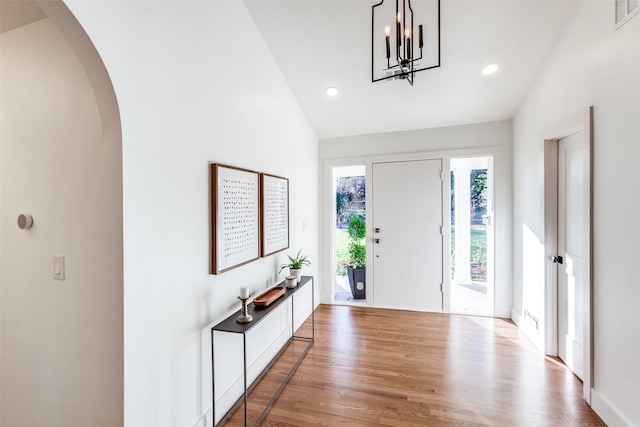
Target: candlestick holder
244, 317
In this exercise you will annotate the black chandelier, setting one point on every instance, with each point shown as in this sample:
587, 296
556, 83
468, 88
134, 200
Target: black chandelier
397, 59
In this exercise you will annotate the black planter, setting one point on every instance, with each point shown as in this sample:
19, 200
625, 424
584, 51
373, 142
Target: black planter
355, 276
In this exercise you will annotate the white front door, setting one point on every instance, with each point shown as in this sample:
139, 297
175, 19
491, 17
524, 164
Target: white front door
407, 235
570, 248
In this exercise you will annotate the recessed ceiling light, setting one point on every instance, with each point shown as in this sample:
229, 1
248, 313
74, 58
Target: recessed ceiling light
489, 69
331, 91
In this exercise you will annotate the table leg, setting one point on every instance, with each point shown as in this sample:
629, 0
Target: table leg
244, 349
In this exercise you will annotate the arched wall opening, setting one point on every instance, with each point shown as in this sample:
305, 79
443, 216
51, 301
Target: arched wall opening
61, 341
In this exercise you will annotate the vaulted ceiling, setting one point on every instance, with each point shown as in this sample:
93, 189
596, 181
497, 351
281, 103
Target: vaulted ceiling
322, 43
328, 43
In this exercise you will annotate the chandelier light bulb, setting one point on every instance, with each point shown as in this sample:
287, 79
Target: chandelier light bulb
387, 30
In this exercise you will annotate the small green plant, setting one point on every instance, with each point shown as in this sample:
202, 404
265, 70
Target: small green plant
357, 230
296, 262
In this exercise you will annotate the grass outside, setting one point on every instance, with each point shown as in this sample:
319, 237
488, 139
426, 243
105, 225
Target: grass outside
342, 253
478, 242
478, 251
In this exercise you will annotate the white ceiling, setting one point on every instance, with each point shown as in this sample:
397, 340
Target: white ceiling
328, 43
321, 43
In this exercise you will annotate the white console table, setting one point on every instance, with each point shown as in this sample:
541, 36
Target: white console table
229, 325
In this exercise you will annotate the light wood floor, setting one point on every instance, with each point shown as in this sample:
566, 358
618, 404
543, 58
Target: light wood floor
372, 367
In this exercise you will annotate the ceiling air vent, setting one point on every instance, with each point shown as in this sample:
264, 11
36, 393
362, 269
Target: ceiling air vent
625, 10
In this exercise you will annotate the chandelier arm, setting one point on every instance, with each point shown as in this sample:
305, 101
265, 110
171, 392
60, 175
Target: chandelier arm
404, 22
430, 68
373, 79
411, 40
438, 33
398, 32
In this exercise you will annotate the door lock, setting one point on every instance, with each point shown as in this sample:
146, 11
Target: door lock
376, 240
557, 259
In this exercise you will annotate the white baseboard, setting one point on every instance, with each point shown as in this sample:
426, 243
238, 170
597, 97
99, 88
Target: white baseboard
502, 312
515, 316
202, 421
605, 410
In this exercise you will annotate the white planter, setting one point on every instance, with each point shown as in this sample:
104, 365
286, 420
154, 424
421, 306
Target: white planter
296, 272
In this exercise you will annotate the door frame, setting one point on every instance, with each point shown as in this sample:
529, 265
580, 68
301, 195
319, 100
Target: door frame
503, 247
331, 259
582, 122
491, 249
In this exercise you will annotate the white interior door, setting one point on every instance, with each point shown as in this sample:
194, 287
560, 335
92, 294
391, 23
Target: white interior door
570, 248
407, 225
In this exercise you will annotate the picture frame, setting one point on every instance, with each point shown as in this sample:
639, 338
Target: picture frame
235, 217
274, 214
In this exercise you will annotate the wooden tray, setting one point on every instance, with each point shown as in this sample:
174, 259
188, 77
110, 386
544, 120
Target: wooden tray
268, 296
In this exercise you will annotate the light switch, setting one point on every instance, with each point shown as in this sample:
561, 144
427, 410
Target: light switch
58, 267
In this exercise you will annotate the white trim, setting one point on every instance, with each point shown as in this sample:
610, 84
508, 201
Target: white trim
551, 244
515, 317
605, 410
446, 233
204, 420
328, 248
582, 122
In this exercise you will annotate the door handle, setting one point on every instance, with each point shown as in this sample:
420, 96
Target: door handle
376, 240
557, 259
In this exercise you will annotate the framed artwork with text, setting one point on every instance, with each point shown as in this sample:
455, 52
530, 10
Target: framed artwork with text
274, 214
235, 217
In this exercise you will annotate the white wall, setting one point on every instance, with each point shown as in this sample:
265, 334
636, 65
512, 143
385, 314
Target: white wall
591, 65
195, 84
62, 341
484, 138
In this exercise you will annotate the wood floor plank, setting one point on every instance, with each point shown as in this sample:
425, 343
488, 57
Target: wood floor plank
371, 367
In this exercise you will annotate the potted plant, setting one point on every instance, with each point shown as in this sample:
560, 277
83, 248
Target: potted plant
357, 230
295, 265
